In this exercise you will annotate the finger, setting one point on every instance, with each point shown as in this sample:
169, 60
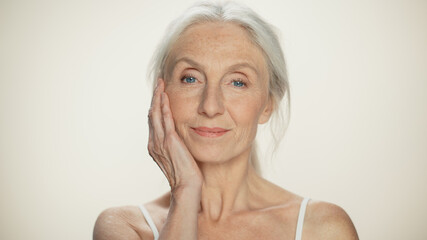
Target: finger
167, 114
156, 114
150, 114
150, 128
154, 92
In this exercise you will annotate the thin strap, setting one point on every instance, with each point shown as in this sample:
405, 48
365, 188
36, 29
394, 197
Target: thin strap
301, 215
149, 221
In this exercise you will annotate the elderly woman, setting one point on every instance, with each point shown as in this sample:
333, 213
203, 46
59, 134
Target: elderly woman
219, 73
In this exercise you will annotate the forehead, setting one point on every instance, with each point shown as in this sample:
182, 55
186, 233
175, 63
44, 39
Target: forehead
222, 43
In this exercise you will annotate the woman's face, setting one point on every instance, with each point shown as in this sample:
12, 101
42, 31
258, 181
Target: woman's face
217, 83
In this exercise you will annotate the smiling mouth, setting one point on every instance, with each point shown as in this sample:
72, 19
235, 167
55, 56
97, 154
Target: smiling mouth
210, 132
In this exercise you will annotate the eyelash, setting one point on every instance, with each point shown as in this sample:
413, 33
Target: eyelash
238, 80
188, 76
244, 84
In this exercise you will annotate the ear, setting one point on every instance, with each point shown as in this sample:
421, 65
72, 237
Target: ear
266, 113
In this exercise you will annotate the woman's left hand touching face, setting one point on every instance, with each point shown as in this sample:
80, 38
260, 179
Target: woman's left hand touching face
167, 148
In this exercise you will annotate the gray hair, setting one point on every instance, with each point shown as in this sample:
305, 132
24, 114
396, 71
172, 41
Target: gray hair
261, 33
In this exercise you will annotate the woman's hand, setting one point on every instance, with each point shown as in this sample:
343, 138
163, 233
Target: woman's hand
167, 148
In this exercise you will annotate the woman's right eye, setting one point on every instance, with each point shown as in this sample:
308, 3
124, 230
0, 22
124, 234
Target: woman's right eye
188, 79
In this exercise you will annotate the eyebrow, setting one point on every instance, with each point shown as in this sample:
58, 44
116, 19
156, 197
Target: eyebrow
232, 68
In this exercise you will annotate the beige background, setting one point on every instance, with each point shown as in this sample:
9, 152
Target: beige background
73, 111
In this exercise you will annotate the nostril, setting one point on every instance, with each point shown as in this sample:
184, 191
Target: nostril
211, 103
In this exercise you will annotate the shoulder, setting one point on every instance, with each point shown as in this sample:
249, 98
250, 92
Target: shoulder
328, 221
127, 222
118, 223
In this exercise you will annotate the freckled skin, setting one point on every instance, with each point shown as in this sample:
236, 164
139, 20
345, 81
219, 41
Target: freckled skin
233, 202
213, 100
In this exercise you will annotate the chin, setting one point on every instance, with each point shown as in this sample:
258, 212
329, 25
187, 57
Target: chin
210, 154
216, 153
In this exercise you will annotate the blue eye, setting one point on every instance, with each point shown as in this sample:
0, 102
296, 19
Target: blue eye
188, 79
238, 83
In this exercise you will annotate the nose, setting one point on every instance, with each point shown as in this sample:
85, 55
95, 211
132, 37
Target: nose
211, 103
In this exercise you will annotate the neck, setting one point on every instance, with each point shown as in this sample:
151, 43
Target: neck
227, 187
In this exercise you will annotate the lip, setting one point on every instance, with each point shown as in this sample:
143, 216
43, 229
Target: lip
210, 132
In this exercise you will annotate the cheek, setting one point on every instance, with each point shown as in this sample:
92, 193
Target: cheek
245, 114
246, 110
182, 104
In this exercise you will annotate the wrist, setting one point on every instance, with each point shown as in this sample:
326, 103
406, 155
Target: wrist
187, 190
188, 193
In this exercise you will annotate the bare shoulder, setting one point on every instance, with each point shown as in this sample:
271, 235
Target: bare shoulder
325, 220
118, 223
127, 222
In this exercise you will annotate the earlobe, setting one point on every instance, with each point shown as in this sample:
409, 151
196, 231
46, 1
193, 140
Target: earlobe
266, 113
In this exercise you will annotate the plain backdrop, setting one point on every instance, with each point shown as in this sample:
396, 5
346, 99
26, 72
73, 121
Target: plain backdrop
74, 102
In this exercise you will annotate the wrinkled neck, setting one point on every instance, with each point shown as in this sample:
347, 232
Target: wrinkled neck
226, 187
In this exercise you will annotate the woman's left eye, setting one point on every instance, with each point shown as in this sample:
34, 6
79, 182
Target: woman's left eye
238, 83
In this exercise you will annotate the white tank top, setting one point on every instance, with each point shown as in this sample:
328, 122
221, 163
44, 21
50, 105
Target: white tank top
298, 232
